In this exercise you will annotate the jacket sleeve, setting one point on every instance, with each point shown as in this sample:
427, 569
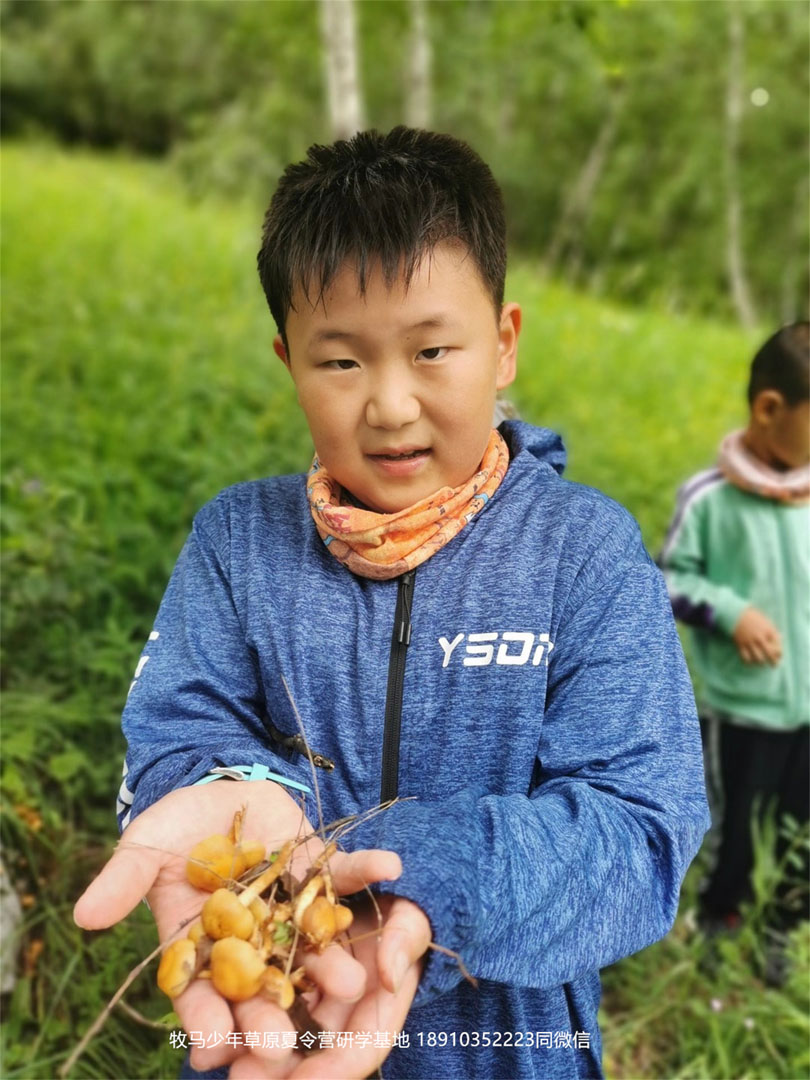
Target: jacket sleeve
196, 701
534, 889
696, 600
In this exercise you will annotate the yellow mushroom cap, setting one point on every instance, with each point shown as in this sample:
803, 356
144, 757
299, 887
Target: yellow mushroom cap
318, 921
195, 931
251, 853
278, 987
223, 916
176, 969
344, 917
237, 970
212, 862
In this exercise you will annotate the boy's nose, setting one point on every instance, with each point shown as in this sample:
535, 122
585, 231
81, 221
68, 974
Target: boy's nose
391, 405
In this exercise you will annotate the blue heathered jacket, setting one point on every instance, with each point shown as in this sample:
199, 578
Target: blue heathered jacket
548, 737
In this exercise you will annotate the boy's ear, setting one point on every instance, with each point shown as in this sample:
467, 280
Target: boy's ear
508, 331
280, 350
766, 406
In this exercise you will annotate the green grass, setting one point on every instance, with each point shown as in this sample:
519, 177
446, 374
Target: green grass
641, 398
139, 379
689, 1008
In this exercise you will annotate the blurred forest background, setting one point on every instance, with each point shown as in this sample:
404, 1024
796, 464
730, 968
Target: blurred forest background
654, 159
652, 151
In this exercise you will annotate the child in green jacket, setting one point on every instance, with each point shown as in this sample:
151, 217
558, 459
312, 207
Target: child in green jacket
737, 563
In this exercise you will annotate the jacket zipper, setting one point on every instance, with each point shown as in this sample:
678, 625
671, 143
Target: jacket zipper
400, 640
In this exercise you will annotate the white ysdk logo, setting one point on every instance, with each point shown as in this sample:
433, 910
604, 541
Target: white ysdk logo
515, 649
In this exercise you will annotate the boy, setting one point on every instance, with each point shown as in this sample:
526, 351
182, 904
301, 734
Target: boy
737, 562
456, 625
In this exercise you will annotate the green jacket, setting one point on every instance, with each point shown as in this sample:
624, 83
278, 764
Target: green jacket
728, 549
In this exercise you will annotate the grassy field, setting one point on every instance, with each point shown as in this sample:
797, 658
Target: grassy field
139, 380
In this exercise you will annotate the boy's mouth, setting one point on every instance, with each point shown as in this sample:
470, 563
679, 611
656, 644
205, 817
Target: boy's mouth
400, 462
399, 455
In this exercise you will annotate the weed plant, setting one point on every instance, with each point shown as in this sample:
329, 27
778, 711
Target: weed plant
139, 380
694, 1006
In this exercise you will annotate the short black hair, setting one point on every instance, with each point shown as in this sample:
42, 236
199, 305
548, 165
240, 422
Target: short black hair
783, 364
385, 199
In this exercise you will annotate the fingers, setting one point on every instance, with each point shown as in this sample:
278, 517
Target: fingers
757, 639
122, 883
772, 646
253, 1067
201, 1010
764, 649
381, 1013
405, 937
351, 873
337, 973
272, 1050
750, 653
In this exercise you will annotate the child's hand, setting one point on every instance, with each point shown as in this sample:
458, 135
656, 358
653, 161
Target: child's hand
391, 957
757, 639
150, 861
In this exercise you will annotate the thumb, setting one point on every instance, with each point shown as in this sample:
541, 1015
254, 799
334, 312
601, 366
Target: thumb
356, 871
405, 937
122, 884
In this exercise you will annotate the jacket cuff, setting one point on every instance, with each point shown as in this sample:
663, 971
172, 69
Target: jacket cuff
410, 829
727, 612
184, 770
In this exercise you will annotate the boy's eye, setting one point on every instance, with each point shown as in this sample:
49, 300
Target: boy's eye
340, 365
436, 353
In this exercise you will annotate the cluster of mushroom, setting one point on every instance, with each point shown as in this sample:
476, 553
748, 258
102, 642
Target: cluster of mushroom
258, 919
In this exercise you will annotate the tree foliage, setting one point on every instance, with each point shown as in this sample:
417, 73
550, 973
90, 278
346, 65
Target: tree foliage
621, 102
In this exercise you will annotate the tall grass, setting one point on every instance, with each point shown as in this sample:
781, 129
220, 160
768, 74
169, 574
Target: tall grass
692, 1007
139, 379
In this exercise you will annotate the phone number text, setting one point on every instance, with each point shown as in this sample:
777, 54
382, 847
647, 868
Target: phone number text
551, 1040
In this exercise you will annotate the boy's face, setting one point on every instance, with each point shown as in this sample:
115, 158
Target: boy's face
398, 385
791, 435
781, 431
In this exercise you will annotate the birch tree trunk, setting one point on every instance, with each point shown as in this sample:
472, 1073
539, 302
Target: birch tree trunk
580, 196
735, 262
797, 258
418, 98
343, 88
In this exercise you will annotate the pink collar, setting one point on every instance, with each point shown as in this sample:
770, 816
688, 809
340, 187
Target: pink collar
743, 469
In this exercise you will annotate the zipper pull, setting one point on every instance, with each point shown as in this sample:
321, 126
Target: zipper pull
404, 628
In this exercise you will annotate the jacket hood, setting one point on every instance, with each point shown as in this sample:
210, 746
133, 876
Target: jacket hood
541, 443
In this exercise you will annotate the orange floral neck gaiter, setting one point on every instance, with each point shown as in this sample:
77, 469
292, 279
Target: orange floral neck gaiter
383, 546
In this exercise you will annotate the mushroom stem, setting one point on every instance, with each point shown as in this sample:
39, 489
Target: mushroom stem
236, 826
302, 901
267, 877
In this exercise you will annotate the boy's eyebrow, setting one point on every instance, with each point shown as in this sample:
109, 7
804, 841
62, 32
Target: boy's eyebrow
432, 322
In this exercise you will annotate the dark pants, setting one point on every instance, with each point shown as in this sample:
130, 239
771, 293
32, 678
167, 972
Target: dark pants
751, 769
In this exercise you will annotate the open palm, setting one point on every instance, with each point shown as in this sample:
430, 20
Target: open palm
150, 862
